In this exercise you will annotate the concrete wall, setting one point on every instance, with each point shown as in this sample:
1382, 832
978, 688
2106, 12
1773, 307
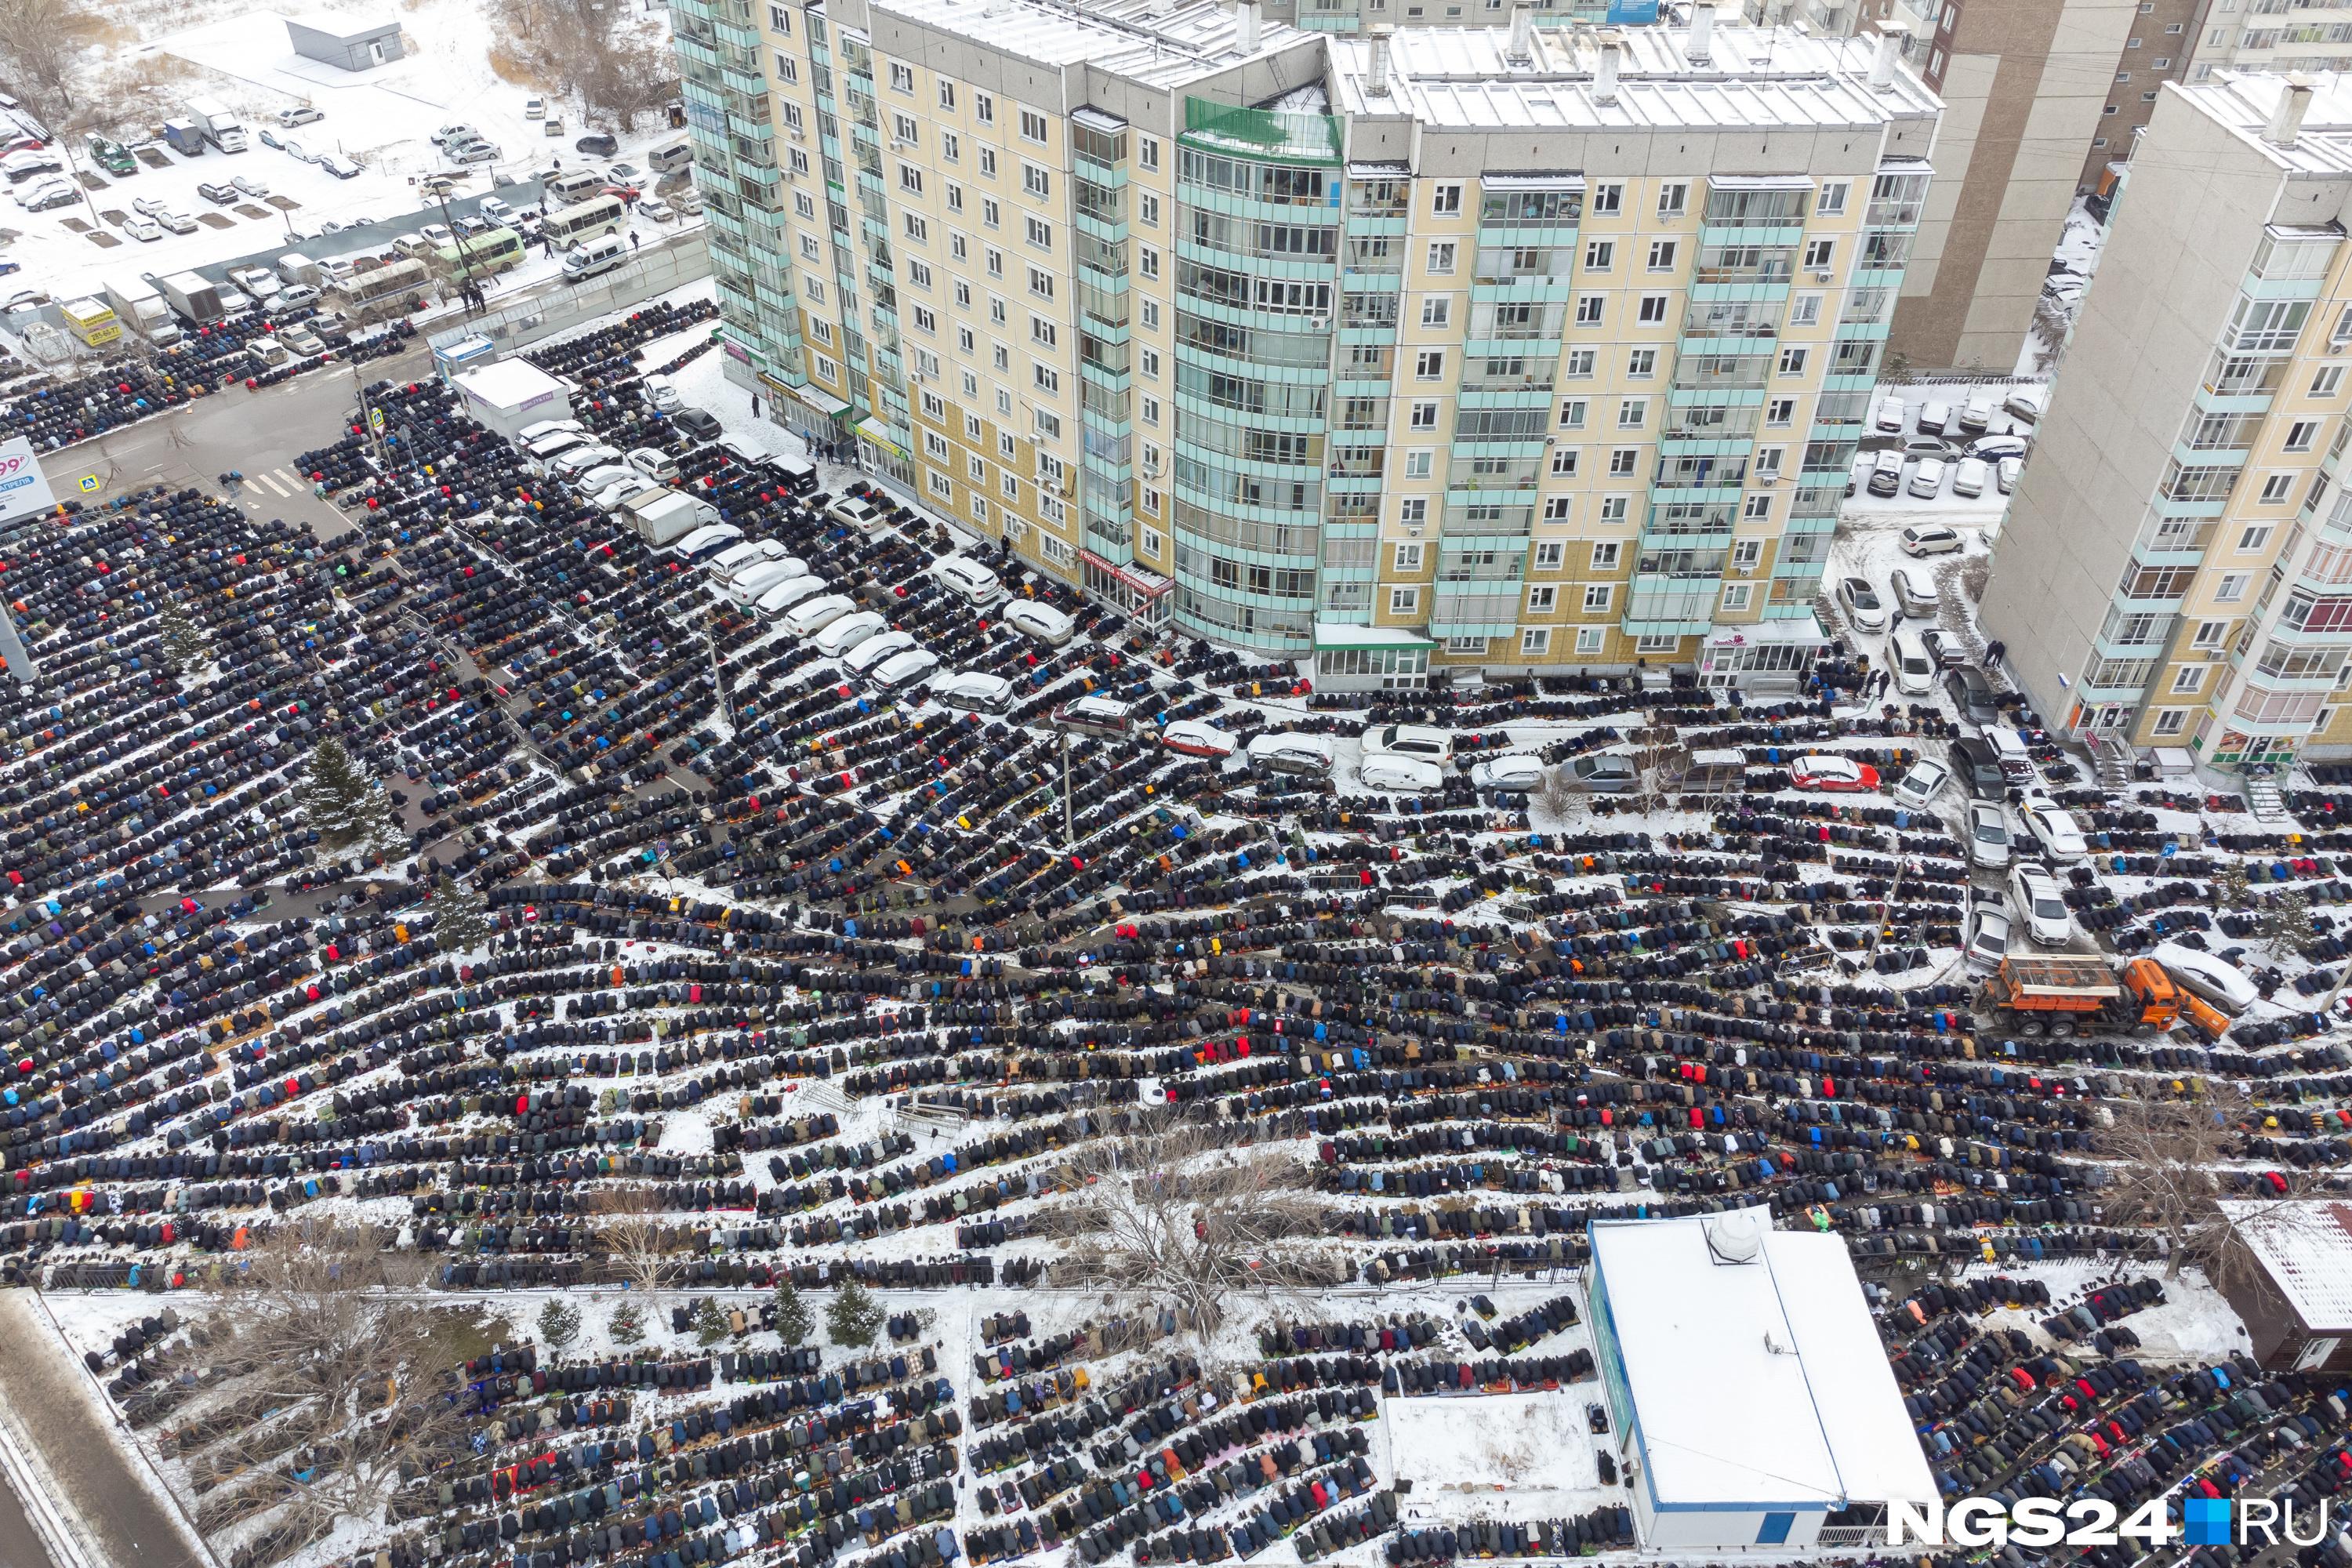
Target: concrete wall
364, 236
656, 269
2183, 237
2024, 82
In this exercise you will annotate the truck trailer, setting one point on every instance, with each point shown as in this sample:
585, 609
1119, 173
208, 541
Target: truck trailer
142, 310
197, 300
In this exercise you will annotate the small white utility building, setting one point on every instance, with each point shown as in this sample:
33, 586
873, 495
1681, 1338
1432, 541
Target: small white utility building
510, 394
1749, 1389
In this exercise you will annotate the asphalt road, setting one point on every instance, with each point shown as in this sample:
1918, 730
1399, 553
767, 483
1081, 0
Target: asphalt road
19, 1547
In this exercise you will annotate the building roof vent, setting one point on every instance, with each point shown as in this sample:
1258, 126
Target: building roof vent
1736, 1236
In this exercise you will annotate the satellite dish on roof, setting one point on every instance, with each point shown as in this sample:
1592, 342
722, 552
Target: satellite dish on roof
1736, 1236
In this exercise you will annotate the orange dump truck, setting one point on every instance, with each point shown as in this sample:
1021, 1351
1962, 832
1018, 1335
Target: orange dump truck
2070, 995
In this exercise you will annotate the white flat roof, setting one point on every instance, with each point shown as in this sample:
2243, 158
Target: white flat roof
1753, 78
1759, 1383
509, 384
2243, 100
2305, 1246
1188, 40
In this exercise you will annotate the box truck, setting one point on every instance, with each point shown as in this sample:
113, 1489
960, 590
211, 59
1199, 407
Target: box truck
197, 301
140, 310
661, 516
220, 127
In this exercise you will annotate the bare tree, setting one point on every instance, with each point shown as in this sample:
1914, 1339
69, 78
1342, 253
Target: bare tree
612, 59
1561, 800
40, 46
632, 1237
2170, 1158
352, 1379
1179, 1210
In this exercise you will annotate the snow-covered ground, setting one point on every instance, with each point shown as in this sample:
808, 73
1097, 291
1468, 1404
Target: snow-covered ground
2076, 258
383, 119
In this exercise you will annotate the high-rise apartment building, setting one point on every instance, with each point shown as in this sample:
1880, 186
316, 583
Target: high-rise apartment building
2177, 565
1515, 348
2270, 35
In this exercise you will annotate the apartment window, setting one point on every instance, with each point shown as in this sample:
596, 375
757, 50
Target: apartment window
2328, 382
2188, 677
971, 382
1425, 416
1642, 363
1833, 199
1404, 601
1429, 364
1736, 596
1436, 310
983, 108
788, 69
1556, 507
919, 229
1591, 640
1441, 253
997, 314
926, 320
1445, 201
2230, 588
1581, 363
960, 247
1756, 509
1793, 362
1149, 261
1041, 331
2161, 62
1820, 254
1654, 309
991, 214
947, 96
1047, 380
1418, 463
1041, 283
1747, 552
1607, 556
2300, 434
902, 79
1150, 362
1543, 599
1805, 310
1613, 507
965, 341
2123, 76
1768, 463
1625, 460
1607, 200
2172, 720
988, 162
1563, 462
815, 286
942, 487
2255, 537
1414, 512
1010, 486
793, 119
1036, 181
903, 128
1550, 555
812, 248
1674, 199
2276, 488
1780, 413
1535, 639
1662, 256
1409, 557
1151, 411
1151, 317
918, 273
1632, 413
2148, 97
1588, 309
780, 20
1032, 125
2210, 634
825, 369
804, 206
935, 445
1597, 597
1599, 254
1040, 232
1147, 151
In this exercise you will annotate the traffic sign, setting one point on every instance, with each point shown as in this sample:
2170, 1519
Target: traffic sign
376, 420
89, 482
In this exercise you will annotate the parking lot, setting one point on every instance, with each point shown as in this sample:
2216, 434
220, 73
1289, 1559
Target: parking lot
819, 882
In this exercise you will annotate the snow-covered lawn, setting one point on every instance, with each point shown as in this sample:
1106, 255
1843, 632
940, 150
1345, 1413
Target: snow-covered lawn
1530, 1454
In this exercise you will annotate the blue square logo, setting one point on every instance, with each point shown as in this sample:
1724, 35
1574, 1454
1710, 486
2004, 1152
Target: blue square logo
2205, 1521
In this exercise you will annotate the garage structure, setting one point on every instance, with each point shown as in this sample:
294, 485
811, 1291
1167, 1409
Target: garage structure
1750, 1394
2292, 1283
348, 45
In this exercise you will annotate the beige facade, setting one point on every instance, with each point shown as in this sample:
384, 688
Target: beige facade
1508, 348
2177, 566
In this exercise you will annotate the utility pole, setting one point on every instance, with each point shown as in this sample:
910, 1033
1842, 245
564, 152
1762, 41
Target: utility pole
718, 676
1886, 906
1069, 828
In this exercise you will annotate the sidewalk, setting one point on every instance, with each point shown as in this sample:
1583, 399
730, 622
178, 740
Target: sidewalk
50, 1417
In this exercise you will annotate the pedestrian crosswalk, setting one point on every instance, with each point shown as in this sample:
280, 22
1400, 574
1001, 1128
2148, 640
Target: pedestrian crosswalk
279, 481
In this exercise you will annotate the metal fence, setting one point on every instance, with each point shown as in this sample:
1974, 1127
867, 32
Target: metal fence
656, 269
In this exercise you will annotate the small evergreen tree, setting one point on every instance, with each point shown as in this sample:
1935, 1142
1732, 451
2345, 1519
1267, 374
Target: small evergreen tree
185, 642
628, 1325
338, 802
558, 1324
461, 916
853, 1318
2232, 891
710, 1324
794, 1325
2286, 924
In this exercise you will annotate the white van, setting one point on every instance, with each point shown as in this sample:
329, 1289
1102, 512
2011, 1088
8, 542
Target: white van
737, 559
814, 614
972, 581
599, 254
1396, 773
1285, 752
1914, 672
1915, 591
563, 190
670, 156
